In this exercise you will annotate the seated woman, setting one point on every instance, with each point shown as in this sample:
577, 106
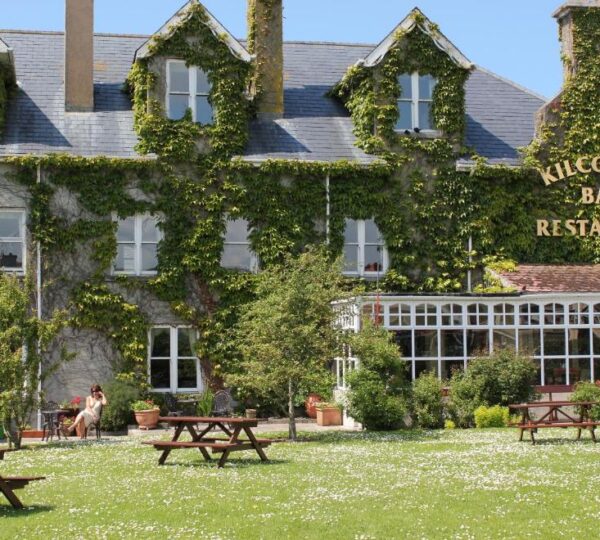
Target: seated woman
91, 413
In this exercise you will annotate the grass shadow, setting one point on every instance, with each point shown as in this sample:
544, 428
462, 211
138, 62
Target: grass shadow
10, 512
335, 437
239, 463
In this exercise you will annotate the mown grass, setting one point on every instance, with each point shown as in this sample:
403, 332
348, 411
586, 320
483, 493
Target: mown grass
443, 484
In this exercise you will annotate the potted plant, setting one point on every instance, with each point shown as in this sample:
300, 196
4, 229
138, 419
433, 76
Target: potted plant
310, 404
329, 414
146, 413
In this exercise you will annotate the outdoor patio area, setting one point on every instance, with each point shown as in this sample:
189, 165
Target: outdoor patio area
434, 484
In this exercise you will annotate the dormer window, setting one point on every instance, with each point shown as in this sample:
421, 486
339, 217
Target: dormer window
415, 102
188, 88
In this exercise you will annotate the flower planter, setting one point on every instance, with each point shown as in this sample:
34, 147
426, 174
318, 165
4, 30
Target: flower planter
32, 434
329, 416
147, 419
310, 404
251, 413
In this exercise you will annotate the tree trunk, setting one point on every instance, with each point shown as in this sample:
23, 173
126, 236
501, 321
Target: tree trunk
291, 412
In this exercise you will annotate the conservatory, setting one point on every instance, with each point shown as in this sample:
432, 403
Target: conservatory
441, 333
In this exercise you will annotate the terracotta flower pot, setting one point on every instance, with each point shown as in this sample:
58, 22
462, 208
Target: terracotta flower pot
329, 416
310, 404
147, 419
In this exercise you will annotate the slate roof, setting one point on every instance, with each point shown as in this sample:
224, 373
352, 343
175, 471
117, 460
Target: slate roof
500, 115
538, 278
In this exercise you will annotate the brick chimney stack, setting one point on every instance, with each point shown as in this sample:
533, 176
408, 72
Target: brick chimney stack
564, 16
79, 56
265, 40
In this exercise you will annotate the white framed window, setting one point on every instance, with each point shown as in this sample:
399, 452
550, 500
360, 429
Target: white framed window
188, 88
172, 362
237, 252
12, 240
415, 103
137, 245
365, 253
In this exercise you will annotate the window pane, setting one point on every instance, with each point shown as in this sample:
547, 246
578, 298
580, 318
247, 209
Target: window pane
149, 257
126, 230
404, 342
405, 82
423, 366
178, 105
425, 121
351, 231
373, 259
579, 370
478, 343
11, 254
529, 342
372, 234
10, 225
449, 367
237, 230
179, 80
505, 339
405, 120
426, 86
125, 261
160, 373
160, 343
579, 341
554, 343
555, 371
204, 111
203, 85
186, 340
186, 373
426, 343
237, 257
351, 258
150, 229
452, 343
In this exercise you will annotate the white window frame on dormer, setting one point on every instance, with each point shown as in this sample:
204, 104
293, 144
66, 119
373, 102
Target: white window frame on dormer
415, 102
138, 243
192, 92
254, 259
17, 240
361, 245
174, 358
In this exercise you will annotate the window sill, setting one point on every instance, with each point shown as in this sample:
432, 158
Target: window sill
425, 134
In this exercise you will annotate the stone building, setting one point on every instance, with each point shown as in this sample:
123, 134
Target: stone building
267, 145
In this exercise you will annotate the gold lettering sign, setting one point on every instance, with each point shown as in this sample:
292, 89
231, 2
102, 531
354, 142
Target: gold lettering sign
589, 195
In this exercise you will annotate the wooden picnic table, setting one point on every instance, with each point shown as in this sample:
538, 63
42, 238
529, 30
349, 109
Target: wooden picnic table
557, 416
203, 439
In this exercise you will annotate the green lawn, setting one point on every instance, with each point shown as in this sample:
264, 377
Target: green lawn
446, 484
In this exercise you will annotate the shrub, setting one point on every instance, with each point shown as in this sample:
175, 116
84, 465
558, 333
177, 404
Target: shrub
492, 417
378, 388
501, 379
588, 391
143, 405
206, 402
449, 424
116, 416
427, 403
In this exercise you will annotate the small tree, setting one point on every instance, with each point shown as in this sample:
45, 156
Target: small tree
378, 389
22, 338
288, 335
427, 401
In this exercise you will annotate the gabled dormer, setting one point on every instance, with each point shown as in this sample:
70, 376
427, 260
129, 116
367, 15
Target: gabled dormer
410, 85
191, 82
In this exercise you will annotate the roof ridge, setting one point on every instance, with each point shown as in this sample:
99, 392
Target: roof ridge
61, 33
512, 83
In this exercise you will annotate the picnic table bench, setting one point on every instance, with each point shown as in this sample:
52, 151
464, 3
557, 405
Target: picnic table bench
9, 484
201, 439
556, 417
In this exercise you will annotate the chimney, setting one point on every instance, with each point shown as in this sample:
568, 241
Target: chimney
79, 56
265, 40
564, 16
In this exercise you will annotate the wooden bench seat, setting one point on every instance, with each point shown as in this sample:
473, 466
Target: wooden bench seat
215, 446
10, 483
